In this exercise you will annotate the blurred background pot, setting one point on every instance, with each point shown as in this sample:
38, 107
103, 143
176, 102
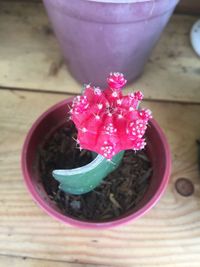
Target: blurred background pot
157, 149
100, 36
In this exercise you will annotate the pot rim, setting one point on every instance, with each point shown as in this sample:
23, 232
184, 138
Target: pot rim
120, 1
151, 10
84, 224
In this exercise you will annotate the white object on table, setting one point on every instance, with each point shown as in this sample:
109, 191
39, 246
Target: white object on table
195, 37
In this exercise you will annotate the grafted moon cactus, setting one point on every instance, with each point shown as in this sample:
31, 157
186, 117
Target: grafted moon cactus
108, 122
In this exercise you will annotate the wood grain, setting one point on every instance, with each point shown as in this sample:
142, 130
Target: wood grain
168, 236
28, 262
30, 57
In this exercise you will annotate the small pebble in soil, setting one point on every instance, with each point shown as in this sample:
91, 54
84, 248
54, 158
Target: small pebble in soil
119, 192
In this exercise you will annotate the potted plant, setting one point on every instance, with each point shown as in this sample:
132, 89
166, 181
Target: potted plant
89, 171
98, 36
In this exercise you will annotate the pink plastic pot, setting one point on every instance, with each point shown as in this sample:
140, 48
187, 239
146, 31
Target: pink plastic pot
157, 149
100, 36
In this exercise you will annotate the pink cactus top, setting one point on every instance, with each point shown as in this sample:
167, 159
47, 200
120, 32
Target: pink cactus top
109, 122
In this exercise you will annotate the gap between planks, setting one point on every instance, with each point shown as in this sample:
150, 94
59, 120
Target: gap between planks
125, 91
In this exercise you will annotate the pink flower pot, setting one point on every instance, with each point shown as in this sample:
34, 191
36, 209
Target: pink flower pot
100, 36
157, 149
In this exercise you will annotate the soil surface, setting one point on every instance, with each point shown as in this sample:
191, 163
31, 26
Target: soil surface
119, 192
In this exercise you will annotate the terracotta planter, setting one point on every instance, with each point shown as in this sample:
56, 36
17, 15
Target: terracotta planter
157, 149
100, 36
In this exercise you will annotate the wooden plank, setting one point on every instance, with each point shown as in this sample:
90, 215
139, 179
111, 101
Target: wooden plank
28, 262
167, 236
30, 57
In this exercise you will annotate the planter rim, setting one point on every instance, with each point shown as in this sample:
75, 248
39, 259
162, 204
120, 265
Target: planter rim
149, 13
85, 224
120, 1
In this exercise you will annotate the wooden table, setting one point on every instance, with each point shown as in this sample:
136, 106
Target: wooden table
32, 78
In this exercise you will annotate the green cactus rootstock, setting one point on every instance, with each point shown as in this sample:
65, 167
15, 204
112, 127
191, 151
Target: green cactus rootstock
84, 179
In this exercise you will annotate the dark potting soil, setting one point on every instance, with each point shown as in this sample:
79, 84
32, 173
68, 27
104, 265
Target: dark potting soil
119, 192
